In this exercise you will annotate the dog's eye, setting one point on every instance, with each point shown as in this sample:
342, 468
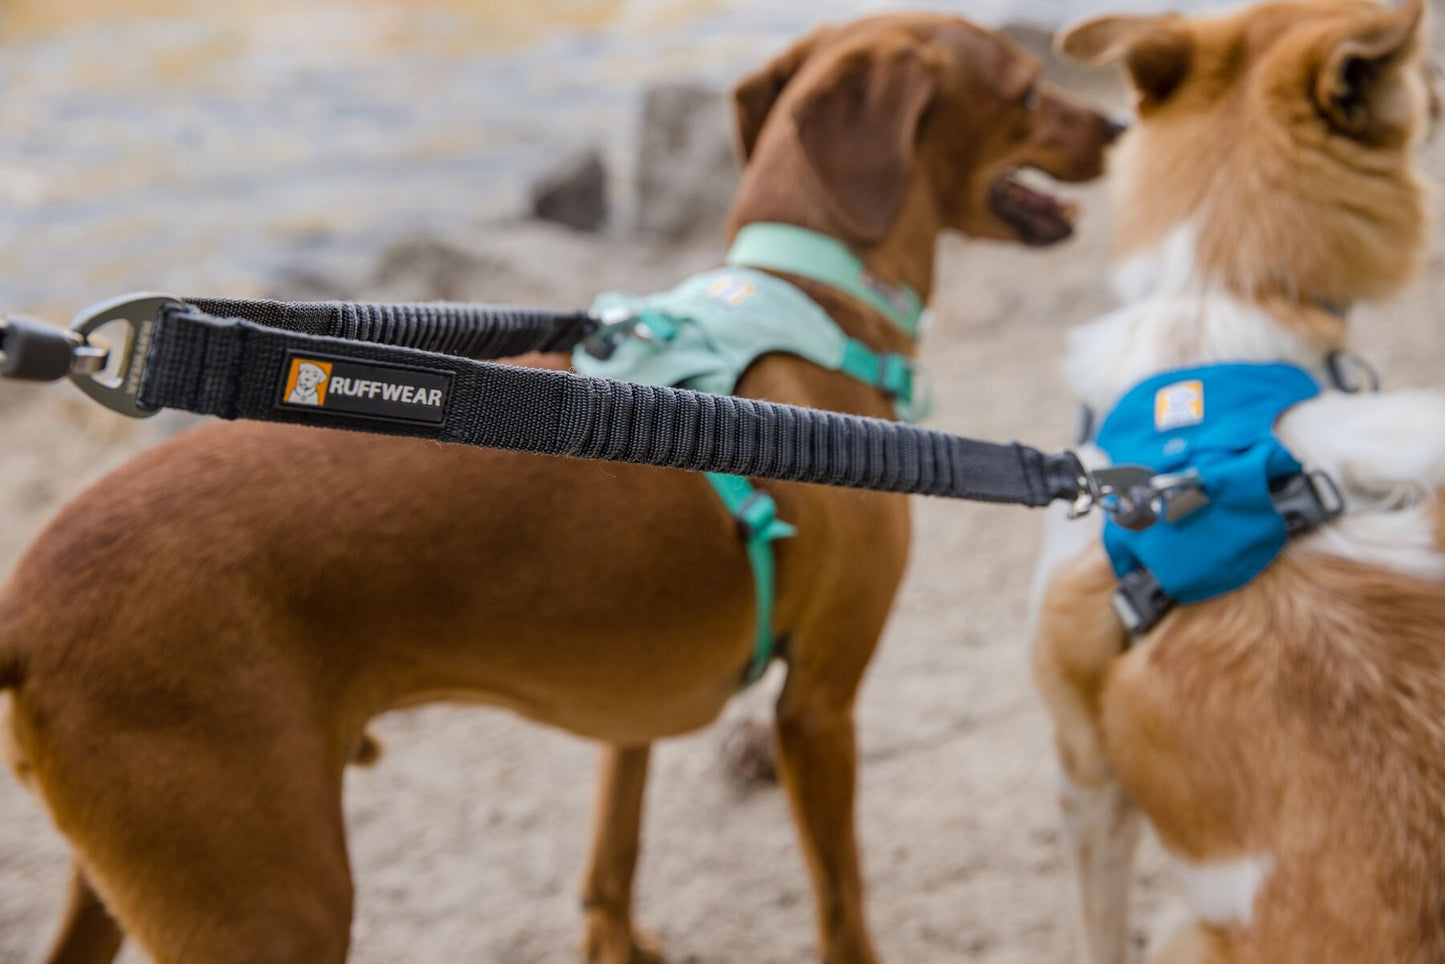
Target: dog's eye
1030, 99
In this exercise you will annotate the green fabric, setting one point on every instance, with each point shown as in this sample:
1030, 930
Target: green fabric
758, 514
706, 332
808, 254
703, 335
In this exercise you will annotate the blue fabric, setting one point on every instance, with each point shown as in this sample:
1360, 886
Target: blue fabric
1219, 420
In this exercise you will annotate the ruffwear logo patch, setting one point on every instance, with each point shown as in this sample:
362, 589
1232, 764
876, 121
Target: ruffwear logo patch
396, 393
733, 292
1179, 405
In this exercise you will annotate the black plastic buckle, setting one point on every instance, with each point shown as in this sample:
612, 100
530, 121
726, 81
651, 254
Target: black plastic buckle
1140, 602
33, 351
1307, 501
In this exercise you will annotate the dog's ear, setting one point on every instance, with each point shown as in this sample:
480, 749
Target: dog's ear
1156, 50
753, 99
1360, 89
858, 127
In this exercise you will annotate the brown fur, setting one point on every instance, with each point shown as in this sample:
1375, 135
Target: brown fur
1346, 219
1302, 718
199, 641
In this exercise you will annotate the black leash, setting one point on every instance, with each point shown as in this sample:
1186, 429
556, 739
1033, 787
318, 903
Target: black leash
424, 371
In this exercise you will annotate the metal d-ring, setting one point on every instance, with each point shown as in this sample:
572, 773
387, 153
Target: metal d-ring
119, 391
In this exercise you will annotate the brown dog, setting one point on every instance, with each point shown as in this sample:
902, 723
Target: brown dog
196, 645
1285, 739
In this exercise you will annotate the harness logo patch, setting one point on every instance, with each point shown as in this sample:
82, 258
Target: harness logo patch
390, 392
1179, 405
892, 295
732, 292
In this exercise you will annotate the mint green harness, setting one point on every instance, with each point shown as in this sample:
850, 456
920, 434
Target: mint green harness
705, 333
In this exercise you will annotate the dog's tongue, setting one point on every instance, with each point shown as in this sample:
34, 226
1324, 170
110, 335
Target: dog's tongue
1039, 218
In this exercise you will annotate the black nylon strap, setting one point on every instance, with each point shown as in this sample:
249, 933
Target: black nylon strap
234, 369
471, 331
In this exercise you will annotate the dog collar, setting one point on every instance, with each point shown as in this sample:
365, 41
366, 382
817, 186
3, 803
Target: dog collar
817, 257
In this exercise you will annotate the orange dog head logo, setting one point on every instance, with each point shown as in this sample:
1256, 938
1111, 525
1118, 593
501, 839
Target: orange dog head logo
307, 382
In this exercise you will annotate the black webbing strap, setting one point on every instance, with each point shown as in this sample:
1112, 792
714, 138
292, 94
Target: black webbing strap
471, 331
239, 369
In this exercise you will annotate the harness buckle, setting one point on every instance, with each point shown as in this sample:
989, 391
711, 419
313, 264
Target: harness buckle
1307, 501
1140, 602
115, 381
908, 384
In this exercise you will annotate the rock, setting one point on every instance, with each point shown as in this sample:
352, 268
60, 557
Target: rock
573, 193
429, 269
306, 283
687, 170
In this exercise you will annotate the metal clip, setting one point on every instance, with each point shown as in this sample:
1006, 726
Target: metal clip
1110, 489
117, 386
612, 325
1135, 498
1178, 496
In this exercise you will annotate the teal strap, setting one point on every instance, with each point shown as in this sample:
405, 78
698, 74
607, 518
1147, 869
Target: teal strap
757, 514
808, 254
894, 375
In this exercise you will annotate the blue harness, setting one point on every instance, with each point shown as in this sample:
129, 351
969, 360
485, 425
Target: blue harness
1225, 496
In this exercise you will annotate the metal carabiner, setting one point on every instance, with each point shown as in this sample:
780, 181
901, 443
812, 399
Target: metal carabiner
1117, 490
118, 390
1136, 498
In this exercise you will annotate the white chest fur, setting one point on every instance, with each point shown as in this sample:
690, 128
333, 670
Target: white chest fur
1386, 452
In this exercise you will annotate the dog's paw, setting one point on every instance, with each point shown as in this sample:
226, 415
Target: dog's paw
610, 941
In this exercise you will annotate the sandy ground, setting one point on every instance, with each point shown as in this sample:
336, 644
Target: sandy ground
468, 838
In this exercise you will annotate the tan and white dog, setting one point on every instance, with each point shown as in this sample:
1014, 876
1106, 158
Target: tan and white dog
1287, 740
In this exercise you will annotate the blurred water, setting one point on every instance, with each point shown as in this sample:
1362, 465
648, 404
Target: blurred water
201, 146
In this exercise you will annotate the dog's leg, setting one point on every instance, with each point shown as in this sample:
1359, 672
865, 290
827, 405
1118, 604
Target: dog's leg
88, 934
1078, 639
607, 887
818, 761
229, 849
1101, 827
1195, 942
